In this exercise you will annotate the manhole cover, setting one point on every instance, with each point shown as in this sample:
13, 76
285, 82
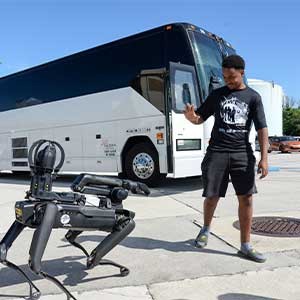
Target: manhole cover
274, 226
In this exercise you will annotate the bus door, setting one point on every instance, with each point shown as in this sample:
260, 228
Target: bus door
187, 138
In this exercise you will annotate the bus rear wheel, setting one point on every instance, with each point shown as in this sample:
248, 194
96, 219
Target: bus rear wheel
141, 164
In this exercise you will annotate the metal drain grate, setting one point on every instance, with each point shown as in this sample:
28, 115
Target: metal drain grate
274, 226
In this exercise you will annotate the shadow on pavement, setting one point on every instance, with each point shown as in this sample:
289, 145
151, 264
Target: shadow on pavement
238, 296
168, 187
151, 244
74, 271
172, 186
14, 296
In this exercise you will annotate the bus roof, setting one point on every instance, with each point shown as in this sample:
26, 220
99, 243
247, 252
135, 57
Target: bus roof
162, 28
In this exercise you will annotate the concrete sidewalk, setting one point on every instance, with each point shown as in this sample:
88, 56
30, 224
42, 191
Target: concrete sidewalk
163, 263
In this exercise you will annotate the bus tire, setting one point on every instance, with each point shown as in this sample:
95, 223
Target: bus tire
141, 164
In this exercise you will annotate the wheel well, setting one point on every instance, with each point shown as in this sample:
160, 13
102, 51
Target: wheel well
132, 141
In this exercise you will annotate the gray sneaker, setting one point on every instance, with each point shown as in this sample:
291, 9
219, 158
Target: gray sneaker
201, 240
254, 255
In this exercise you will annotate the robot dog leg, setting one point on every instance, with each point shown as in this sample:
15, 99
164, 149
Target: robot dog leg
71, 236
121, 230
12, 234
39, 243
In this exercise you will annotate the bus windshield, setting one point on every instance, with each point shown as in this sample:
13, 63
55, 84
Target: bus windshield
229, 50
208, 58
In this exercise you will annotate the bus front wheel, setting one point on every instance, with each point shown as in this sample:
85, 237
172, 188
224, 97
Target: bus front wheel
141, 164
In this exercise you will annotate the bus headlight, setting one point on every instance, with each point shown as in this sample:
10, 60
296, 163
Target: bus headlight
188, 144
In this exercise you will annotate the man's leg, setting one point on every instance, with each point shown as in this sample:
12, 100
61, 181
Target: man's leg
242, 172
215, 179
245, 218
209, 206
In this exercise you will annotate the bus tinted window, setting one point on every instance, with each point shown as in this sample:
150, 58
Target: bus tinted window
99, 69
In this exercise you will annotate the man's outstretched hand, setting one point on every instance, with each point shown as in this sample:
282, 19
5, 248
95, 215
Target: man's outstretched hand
190, 114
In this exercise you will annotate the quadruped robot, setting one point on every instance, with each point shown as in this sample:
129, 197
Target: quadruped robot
44, 210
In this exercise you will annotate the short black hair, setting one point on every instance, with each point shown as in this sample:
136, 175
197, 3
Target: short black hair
233, 61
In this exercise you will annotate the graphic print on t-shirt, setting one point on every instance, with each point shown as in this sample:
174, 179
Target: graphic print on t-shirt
234, 111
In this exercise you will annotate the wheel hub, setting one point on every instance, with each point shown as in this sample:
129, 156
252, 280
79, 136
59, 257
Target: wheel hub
143, 165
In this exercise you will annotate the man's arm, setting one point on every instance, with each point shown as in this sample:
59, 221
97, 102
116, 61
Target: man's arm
190, 114
263, 140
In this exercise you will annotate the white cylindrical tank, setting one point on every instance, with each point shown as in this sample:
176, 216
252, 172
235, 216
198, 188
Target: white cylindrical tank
272, 97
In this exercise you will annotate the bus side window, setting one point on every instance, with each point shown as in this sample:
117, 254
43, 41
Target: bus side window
151, 87
156, 91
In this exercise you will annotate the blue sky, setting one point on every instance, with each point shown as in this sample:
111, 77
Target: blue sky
266, 33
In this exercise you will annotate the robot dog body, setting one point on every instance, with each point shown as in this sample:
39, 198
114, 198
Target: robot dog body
44, 210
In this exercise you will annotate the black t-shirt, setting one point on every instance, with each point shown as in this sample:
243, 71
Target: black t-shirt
234, 112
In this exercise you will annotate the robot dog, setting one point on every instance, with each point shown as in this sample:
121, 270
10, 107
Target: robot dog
44, 210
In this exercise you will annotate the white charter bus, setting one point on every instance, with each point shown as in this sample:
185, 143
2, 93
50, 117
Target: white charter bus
117, 108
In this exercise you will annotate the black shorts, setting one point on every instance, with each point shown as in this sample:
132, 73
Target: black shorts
218, 166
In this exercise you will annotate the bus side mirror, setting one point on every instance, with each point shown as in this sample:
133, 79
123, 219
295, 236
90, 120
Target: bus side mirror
214, 83
186, 94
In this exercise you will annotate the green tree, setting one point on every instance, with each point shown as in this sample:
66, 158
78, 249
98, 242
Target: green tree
291, 121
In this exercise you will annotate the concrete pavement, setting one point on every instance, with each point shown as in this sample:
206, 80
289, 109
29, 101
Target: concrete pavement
163, 262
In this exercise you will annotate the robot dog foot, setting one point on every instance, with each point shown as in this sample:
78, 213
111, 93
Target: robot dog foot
123, 270
34, 292
122, 230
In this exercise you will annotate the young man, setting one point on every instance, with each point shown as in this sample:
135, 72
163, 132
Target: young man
234, 106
